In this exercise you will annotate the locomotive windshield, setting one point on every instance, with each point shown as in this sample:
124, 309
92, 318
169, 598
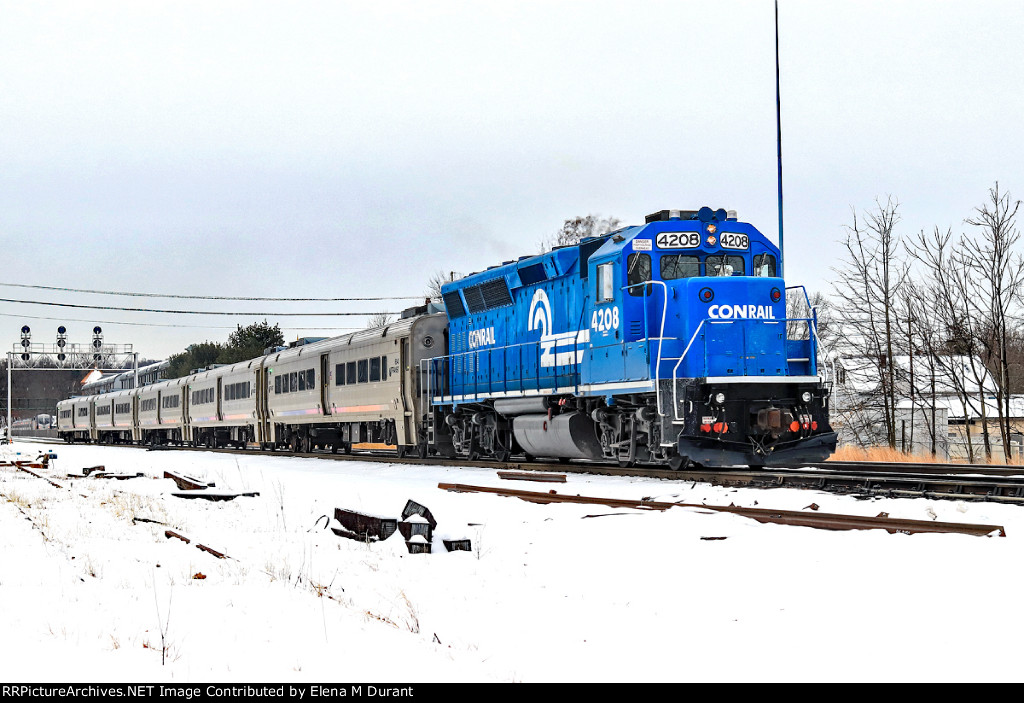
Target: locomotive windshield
675, 266
724, 265
764, 265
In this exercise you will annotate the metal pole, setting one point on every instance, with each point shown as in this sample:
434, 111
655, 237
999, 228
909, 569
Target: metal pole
10, 362
135, 368
778, 123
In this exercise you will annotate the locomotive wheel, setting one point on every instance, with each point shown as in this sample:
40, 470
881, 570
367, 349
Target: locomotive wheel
502, 455
677, 463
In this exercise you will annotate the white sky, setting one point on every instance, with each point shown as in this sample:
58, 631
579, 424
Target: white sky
339, 149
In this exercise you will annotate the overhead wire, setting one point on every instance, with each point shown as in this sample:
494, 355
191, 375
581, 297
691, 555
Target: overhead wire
210, 297
198, 312
160, 324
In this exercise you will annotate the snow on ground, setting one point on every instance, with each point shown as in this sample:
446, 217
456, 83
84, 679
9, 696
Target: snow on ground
548, 593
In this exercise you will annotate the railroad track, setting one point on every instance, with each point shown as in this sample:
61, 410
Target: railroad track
1001, 484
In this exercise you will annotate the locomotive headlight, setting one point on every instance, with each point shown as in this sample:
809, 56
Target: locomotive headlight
719, 398
806, 397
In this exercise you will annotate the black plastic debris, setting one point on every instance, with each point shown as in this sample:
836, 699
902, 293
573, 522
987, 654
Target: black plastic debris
414, 508
458, 545
364, 527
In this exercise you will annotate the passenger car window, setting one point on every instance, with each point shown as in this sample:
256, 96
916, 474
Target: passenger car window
375, 369
364, 370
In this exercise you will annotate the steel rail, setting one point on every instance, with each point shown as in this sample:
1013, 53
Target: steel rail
967, 482
824, 521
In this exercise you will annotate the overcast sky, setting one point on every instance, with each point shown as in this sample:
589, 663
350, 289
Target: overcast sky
351, 149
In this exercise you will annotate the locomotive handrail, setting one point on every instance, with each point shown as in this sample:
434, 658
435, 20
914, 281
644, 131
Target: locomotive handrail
818, 347
475, 390
661, 337
675, 369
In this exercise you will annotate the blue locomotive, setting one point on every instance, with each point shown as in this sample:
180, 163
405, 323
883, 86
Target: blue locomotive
666, 343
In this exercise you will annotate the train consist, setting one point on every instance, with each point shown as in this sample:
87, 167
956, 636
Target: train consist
665, 343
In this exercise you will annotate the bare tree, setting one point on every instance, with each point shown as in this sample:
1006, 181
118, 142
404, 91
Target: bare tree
437, 281
378, 319
997, 275
869, 281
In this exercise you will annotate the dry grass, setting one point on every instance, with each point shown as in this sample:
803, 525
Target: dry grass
851, 453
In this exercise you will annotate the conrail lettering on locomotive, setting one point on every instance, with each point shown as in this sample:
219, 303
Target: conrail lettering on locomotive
749, 312
481, 338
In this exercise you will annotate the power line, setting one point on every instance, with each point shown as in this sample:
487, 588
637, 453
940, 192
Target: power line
199, 312
209, 297
158, 324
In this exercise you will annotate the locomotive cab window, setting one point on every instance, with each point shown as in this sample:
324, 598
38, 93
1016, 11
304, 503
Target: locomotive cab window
638, 267
724, 265
764, 266
605, 283
675, 266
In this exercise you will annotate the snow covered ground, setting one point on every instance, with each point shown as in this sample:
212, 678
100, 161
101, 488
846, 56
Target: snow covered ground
548, 592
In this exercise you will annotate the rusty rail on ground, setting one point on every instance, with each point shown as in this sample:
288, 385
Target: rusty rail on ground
824, 521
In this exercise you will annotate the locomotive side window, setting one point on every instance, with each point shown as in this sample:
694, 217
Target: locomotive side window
675, 266
277, 385
605, 283
724, 266
764, 265
339, 374
639, 270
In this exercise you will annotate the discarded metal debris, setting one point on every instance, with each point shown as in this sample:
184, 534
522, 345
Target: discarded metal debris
171, 533
207, 494
119, 477
187, 483
826, 521
531, 476
554, 497
29, 470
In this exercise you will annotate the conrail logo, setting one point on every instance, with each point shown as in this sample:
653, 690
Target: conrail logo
733, 312
481, 338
